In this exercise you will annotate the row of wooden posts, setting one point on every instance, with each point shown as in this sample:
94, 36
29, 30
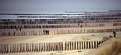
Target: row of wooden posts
50, 46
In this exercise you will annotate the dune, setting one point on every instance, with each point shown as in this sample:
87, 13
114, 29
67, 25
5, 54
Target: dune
109, 47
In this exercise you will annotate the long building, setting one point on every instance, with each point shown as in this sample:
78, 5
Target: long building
52, 24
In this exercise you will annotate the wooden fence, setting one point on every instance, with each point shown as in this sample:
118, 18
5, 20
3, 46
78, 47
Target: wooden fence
50, 46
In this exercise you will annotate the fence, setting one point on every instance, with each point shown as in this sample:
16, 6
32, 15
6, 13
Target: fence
33, 32
43, 47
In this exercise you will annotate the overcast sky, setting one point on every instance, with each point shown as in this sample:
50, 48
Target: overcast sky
57, 6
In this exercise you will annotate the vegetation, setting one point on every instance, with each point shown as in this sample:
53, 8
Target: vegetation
110, 47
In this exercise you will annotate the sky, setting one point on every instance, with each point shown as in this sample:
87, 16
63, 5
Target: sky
56, 6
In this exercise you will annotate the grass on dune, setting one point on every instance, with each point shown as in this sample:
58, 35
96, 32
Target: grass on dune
110, 47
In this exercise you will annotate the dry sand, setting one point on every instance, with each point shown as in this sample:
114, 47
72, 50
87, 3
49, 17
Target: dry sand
55, 38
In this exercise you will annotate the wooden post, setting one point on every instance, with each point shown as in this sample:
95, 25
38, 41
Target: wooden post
77, 45
5, 48
70, 45
8, 48
43, 46
15, 48
89, 45
30, 47
94, 44
82, 44
65, 45
0, 48
18, 44
50, 46
39, 47
20, 47
33, 47
27, 47
86, 44
11, 48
